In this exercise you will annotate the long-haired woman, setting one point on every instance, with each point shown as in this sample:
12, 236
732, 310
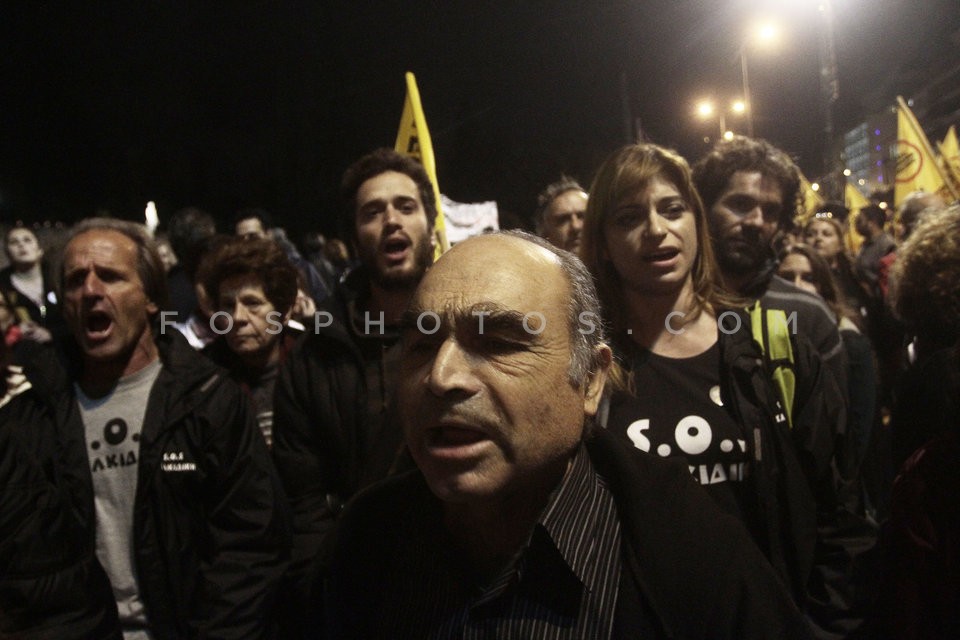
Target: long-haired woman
694, 384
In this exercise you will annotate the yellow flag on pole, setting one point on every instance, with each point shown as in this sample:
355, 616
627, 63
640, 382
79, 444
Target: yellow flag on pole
812, 202
950, 157
853, 200
917, 166
413, 139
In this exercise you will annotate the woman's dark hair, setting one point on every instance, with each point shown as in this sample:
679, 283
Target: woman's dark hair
260, 258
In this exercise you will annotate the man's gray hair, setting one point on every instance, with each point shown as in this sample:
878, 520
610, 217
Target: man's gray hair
550, 193
149, 265
584, 320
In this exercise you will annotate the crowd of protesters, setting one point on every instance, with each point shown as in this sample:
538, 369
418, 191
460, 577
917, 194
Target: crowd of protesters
584, 433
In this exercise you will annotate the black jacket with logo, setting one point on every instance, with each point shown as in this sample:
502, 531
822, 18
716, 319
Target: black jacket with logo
211, 528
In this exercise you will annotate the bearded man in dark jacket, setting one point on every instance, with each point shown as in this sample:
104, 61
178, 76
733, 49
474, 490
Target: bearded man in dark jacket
333, 432
172, 479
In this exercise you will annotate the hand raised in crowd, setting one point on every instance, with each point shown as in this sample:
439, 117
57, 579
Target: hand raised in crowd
304, 308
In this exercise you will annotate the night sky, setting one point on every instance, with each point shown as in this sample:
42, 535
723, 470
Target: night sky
223, 105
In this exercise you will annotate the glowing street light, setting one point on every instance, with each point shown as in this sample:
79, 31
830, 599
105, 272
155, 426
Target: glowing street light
767, 32
761, 34
706, 110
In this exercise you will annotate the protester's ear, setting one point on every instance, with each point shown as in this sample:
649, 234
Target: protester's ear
596, 380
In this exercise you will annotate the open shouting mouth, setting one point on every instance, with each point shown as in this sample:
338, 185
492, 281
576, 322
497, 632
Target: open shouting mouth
98, 325
395, 248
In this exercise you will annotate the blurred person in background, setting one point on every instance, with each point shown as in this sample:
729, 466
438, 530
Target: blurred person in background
877, 243
904, 222
338, 254
167, 254
825, 234
256, 223
189, 230
559, 214
314, 244
198, 328
804, 267
28, 289
920, 594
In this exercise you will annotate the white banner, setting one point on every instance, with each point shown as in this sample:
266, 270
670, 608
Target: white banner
466, 219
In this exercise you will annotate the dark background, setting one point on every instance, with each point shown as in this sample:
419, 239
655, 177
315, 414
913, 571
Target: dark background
222, 105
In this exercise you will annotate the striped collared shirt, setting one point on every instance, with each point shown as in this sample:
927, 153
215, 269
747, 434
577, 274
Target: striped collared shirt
563, 584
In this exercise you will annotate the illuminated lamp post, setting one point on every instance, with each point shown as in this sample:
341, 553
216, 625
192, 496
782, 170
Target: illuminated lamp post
762, 34
705, 110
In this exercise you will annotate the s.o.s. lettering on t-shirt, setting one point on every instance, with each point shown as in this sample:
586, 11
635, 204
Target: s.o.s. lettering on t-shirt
693, 438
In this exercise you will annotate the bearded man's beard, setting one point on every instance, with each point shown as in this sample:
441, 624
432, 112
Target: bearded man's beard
405, 279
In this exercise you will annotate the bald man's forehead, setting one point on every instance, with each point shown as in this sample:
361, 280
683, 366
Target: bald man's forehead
502, 274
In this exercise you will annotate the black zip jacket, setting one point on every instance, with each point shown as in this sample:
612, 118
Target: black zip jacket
51, 585
211, 529
325, 445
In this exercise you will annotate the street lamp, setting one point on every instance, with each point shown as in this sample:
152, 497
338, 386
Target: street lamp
706, 110
761, 34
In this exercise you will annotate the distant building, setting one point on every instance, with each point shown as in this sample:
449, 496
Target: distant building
870, 151
870, 148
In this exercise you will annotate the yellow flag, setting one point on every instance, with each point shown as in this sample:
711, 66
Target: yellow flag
854, 201
413, 139
812, 202
950, 157
917, 166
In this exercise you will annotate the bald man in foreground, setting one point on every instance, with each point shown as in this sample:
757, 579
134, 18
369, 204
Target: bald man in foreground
522, 519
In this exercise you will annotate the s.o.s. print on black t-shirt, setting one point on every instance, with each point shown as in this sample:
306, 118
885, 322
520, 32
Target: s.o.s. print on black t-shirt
711, 461
677, 411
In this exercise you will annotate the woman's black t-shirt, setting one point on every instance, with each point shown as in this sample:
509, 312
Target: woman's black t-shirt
677, 412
